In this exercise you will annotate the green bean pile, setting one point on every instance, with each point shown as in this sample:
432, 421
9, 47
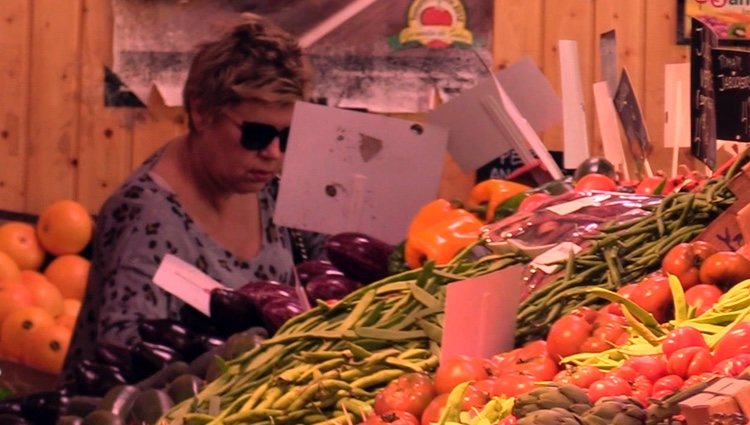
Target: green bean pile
327, 363
624, 253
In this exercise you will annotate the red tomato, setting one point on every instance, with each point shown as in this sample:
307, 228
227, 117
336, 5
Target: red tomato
531, 360
655, 185
685, 259
702, 297
607, 387
594, 344
595, 181
393, 417
534, 201
411, 392
654, 295
625, 291
508, 420
581, 376
697, 379
652, 367
690, 361
681, 338
736, 341
485, 386
733, 366
513, 384
666, 386
458, 369
567, 334
625, 372
473, 398
725, 269
642, 389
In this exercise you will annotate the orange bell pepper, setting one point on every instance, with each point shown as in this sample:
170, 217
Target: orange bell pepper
443, 239
428, 215
494, 192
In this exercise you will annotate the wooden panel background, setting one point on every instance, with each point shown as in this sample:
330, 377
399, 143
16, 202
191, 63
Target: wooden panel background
57, 140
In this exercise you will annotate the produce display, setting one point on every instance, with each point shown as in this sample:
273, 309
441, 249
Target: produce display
628, 314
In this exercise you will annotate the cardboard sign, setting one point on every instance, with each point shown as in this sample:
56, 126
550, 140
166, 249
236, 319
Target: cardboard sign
702, 97
354, 171
731, 69
484, 124
532, 94
631, 117
677, 105
575, 135
608, 57
480, 314
186, 282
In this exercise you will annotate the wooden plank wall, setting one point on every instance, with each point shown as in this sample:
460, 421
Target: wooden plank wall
57, 140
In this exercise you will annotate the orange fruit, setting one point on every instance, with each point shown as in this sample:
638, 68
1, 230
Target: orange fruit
19, 241
12, 296
46, 295
64, 227
66, 320
8, 268
69, 273
71, 309
45, 348
17, 327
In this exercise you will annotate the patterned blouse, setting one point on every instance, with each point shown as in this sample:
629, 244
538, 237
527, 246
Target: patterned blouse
140, 223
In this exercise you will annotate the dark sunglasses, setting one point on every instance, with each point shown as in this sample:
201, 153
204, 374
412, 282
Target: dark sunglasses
258, 136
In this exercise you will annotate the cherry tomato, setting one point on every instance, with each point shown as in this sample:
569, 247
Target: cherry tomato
690, 361
513, 384
595, 182
411, 392
725, 269
607, 387
654, 295
681, 338
652, 367
732, 366
458, 369
393, 417
684, 261
666, 386
734, 342
567, 334
702, 297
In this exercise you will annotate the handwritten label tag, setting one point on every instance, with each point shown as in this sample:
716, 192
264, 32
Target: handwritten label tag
573, 206
480, 314
547, 260
703, 98
186, 282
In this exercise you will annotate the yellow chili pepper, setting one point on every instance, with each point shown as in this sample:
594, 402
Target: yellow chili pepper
494, 192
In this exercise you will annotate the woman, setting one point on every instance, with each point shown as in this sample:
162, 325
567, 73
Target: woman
207, 196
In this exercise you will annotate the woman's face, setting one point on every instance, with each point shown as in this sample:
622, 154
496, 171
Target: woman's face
242, 149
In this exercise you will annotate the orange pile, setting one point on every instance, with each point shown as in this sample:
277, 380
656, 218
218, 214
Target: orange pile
39, 307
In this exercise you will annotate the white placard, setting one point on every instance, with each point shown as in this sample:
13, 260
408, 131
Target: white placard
186, 282
609, 128
353, 171
677, 105
575, 135
532, 94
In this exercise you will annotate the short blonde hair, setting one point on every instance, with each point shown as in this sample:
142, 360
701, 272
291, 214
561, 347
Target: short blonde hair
255, 60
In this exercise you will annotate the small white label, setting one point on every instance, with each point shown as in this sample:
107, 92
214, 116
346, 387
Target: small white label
547, 260
186, 282
573, 206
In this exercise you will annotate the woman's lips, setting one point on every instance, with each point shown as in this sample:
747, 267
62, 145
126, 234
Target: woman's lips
258, 175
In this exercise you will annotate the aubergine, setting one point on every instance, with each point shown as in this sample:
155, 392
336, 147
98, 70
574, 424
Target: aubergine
11, 419
81, 405
148, 358
195, 320
44, 407
330, 287
167, 332
263, 291
309, 269
232, 311
359, 256
114, 355
95, 379
278, 311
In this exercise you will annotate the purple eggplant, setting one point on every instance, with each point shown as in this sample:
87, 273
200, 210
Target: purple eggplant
166, 332
95, 379
232, 311
361, 257
277, 312
330, 287
312, 268
264, 291
148, 358
114, 355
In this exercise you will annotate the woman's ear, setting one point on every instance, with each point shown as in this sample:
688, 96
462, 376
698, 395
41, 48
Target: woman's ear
197, 118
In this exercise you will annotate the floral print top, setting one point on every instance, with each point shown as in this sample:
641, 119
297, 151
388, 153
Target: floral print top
139, 224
